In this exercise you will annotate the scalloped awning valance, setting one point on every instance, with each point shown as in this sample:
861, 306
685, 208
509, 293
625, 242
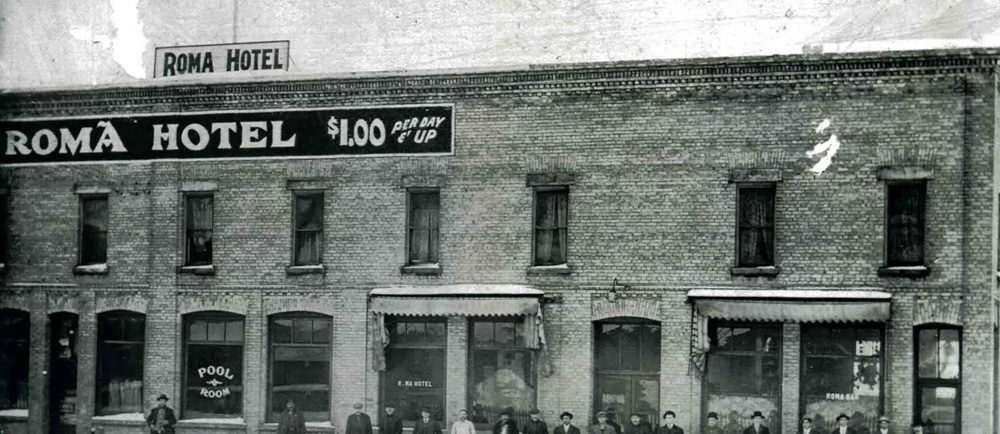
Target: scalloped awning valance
792, 305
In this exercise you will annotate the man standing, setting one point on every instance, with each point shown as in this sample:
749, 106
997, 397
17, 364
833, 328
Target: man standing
391, 422
463, 425
713, 424
426, 425
291, 421
807, 426
602, 427
358, 422
505, 425
637, 426
917, 428
613, 419
842, 428
567, 424
668, 424
758, 425
161, 419
535, 424
883, 424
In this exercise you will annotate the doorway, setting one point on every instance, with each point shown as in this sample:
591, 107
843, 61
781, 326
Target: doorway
627, 369
62, 372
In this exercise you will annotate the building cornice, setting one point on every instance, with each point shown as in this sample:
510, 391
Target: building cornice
743, 72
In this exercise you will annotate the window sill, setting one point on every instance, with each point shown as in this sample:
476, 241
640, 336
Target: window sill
421, 269
911, 271
197, 270
768, 271
91, 269
300, 270
545, 270
223, 423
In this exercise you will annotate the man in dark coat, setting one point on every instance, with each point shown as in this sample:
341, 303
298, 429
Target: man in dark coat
712, 425
602, 426
566, 427
637, 426
291, 421
505, 425
613, 419
842, 425
391, 422
535, 424
758, 425
426, 425
358, 422
161, 419
668, 424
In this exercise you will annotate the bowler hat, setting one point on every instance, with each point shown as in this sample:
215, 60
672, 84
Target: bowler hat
883, 418
566, 413
602, 414
163, 396
758, 414
713, 415
669, 413
534, 411
509, 411
358, 406
842, 416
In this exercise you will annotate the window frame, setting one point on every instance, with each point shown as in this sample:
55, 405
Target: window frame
26, 316
81, 216
295, 231
118, 315
409, 227
271, 344
773, 188
518, 345
186, 343
391, 322
714, 326
919, 383
565, 189
187, 197
890, 185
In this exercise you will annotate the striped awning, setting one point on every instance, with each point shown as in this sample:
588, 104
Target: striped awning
456, 300
792, 305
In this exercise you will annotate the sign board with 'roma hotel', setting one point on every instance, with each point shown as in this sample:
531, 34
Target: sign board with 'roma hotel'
291, 133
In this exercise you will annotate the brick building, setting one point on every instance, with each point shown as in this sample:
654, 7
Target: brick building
640, 236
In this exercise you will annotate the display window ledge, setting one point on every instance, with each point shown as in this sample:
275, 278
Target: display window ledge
300, 270
422, 269
908, 271
766, 271
197, 270
543, 270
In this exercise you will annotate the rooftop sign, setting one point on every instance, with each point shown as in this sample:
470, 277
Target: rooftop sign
200, 60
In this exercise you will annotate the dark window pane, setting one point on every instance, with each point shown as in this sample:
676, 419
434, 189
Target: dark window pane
501, 379
199, 230
198, 330
4, 227
436, 333
607, 347
216, 331
483, 333
119, 378
842, 374
309, 246
927, 359
281, 331
939, 409
94, 231
415, 378
744, 339
551, 214
650, 348
134, 328
423, 222
321, 331
308, 229
14, 331
504, 334
756, 226
769, 340
302, 331
723, 338
234, 331
630, 346
905, 224
213, 379
110, 329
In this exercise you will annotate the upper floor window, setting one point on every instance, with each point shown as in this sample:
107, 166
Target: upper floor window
551, 223
422, 226
755, 225
904, 223
93, 230
308, 228
198, 229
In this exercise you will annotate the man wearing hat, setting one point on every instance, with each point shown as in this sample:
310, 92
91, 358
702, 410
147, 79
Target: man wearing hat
807, 426
602, 427
842, 428
391, 422
712, 426
883, 424
505, 425
535, 423
358, 422
613, 419
758, 425
161, 419
637, 426
668, 424
566, 427
426, 425
463, 425
291, 421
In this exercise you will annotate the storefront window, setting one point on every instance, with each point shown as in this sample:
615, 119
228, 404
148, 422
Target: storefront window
120, 341
938, 385
743, 374
842, 373
502, 370
14, 332
300, 365
415, 366
627, 368
213, 373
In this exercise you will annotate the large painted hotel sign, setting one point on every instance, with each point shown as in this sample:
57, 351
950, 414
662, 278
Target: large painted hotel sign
272, 134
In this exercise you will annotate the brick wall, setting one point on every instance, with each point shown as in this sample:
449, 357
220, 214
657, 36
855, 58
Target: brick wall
651, 206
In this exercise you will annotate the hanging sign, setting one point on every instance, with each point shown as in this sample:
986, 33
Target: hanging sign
252, 134
199, 60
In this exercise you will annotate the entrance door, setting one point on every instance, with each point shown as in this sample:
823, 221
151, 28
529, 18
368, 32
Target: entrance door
414, 378
62, 372
627, 368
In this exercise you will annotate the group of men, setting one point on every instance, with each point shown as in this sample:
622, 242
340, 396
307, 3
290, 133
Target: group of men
161, 420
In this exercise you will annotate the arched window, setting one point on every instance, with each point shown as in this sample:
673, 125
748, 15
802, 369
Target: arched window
938, 387
299, 364
627, 368
121, 338
213, 365
14, 332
